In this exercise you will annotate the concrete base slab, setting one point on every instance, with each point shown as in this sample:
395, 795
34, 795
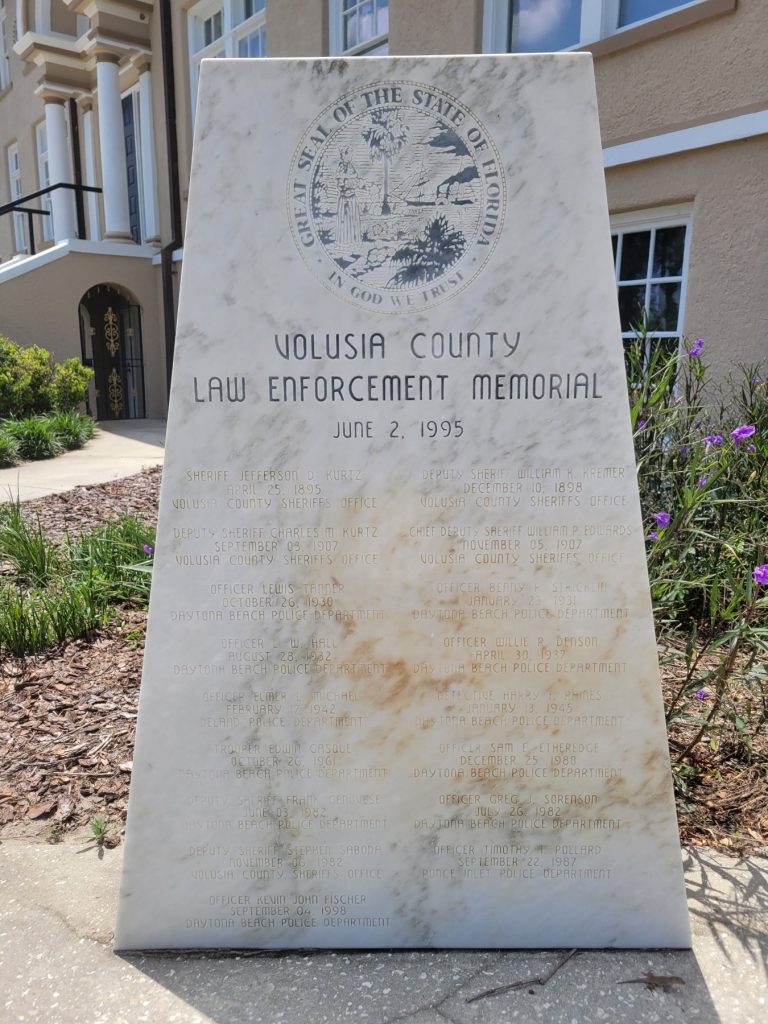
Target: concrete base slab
120, 448
57, 909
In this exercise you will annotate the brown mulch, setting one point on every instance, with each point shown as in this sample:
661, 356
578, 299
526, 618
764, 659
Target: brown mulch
67, 726
68, 716
85, 508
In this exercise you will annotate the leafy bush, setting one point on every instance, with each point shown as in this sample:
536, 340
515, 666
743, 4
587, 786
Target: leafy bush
31, 383
35, 438
69, 386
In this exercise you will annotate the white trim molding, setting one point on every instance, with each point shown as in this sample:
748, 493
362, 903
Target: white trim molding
26, 264
700, 136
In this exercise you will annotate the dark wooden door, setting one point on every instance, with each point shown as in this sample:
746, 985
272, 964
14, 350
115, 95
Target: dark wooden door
111, 328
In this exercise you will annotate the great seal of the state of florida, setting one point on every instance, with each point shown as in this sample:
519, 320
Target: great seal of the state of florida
396, 196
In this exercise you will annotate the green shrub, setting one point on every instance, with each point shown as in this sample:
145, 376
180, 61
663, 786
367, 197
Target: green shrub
9, 449
31, 383
35, 438
69, 386
33, 388
72, 429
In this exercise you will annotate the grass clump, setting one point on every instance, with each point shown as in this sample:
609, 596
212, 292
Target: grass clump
9, 450
35, 438
35, 560
44, 436
72, 429
62, 592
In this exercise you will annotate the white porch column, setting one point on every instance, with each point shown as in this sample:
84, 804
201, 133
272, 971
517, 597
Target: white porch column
91, 177
63, 200
114, 181
147, 152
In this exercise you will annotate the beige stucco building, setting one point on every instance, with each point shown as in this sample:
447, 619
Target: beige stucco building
100, 93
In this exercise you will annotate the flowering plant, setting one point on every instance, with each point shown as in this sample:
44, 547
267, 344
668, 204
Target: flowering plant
703, 493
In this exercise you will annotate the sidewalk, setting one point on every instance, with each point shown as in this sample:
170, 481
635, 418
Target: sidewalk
120, 448
57, 911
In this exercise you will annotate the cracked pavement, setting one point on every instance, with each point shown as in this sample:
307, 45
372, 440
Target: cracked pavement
57, 908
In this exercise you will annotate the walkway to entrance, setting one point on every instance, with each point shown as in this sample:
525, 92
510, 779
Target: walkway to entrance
120, 448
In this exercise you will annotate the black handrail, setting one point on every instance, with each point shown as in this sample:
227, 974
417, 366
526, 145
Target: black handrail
18, 206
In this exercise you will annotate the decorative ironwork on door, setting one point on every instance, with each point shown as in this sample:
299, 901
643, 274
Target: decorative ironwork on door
111, 340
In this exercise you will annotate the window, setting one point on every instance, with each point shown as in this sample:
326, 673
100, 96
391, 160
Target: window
651, 263
44, 180
225, 28
536, 26
5, 43
359, 27
14, 174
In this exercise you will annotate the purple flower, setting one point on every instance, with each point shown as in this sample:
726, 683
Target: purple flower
663, 519
703, 481
641, 424
653, 535
751, 448
684, 449
760, 575
714, 439
742, 433
756, 380
147, 549
701, 694
696, 348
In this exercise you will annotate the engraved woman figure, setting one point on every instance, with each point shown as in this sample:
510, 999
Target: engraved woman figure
348, 230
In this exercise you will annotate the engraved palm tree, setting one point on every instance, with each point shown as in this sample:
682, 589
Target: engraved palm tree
429, 256
386, 136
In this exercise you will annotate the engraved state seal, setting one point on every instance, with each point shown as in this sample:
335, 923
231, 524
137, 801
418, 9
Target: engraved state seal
396, 196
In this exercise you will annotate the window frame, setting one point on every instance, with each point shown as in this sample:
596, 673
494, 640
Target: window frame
225, 45
599, 20
654, 220
20, 241
336, 14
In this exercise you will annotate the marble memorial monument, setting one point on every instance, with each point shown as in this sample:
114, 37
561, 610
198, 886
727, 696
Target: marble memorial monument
401, 685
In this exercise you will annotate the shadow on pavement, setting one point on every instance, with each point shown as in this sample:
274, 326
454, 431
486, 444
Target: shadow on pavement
432, 987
